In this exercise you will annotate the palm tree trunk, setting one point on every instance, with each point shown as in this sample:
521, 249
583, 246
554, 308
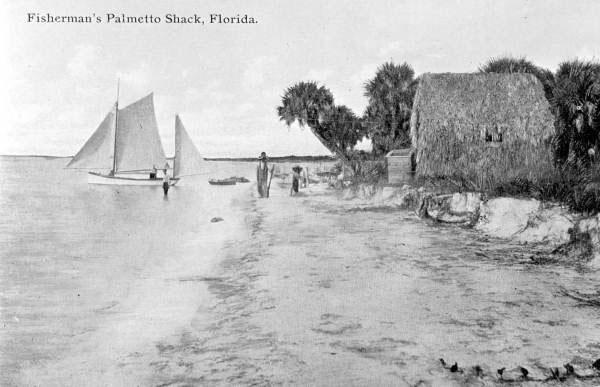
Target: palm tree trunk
312, 123
337, 152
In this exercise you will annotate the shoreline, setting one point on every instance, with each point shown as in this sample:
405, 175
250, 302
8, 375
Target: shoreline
571, 238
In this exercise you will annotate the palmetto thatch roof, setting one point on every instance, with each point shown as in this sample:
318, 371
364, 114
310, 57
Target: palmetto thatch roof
454, 113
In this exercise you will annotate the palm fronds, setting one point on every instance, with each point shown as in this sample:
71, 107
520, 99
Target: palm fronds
309, 104
387, 116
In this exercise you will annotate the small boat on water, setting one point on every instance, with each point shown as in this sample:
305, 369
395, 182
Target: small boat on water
126, 149
228, 181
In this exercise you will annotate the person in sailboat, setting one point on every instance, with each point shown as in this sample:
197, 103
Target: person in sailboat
166, 181
153, 173
262, 175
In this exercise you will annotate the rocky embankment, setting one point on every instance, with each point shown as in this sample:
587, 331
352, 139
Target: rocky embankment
568, 236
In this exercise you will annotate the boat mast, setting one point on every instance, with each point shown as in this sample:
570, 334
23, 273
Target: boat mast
176, 139
114, 168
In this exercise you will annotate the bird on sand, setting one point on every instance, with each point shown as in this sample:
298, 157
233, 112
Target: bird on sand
596, 364
524, 372
555, 373
453, 368
570, 369
501, 371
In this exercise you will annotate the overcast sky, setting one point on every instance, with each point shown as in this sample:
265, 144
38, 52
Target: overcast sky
59, 80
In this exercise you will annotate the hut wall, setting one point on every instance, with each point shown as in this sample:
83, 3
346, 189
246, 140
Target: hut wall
455, 115
399, 166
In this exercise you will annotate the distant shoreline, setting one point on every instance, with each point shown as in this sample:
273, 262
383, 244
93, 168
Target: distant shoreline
290, 158
275, 158
39, 156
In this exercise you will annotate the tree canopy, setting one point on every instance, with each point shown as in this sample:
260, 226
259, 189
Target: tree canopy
390, 97
309, 104
576, 105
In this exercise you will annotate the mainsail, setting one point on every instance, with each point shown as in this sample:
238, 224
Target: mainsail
97, 152
138, 146
188, 160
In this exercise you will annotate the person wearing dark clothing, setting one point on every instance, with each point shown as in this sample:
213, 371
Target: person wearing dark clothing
262, 176
295, 180
166, 182
153, 173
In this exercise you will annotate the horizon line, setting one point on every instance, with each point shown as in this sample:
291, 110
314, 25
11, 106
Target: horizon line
171, 157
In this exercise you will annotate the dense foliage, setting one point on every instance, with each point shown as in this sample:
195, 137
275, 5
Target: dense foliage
336, 127
387, 116
342, 128
576, 106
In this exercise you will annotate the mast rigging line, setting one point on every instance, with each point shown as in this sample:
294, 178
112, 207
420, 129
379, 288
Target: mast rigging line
114, 169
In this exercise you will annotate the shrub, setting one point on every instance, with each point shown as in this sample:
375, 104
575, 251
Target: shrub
369, 171
575, 186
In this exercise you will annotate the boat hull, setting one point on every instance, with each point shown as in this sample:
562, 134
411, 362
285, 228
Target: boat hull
222, 182
98, 178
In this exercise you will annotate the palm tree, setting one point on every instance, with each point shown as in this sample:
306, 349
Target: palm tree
576, 104
342, 127
308, 104
387, 117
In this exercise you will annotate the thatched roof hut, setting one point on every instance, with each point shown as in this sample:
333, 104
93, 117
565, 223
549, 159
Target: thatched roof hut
482, 128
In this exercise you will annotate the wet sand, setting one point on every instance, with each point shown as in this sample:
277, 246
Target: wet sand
325, 292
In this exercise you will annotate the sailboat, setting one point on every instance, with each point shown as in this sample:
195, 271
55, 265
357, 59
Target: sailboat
126, 149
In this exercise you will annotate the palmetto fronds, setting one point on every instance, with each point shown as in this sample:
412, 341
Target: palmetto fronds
387, 117
309, 104
304, 102
576, 105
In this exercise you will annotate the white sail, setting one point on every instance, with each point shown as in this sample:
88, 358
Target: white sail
138, 146
97, 152
188, 160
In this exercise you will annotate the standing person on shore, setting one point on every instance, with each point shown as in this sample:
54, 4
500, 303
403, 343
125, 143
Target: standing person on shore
262, 175
295, 180
166, 181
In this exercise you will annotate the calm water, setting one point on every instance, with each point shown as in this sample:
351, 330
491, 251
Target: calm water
78, 259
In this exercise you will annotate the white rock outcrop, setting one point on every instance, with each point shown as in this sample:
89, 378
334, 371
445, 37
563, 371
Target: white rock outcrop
506, 217
458, 208
520, 220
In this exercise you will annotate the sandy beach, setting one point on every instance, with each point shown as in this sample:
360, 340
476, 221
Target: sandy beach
327, 292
